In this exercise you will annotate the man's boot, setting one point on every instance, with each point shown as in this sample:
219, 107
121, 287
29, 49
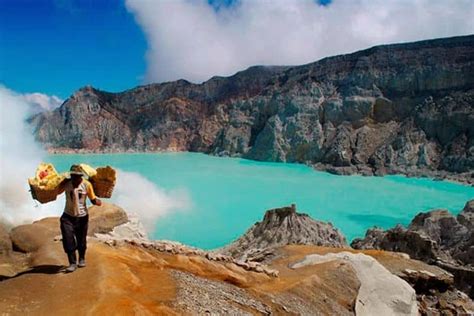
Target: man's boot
72, 262
82, 258
82, 263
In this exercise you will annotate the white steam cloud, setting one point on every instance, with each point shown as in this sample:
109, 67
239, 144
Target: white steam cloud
191, 40
20, 155
142, 197
40, 102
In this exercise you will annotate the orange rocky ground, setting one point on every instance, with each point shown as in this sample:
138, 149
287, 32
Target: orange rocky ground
128, 279
161, 278
133, 280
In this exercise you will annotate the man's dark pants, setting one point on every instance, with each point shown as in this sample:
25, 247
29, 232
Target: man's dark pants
74, 233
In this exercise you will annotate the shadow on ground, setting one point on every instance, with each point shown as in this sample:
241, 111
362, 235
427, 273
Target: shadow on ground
42, 269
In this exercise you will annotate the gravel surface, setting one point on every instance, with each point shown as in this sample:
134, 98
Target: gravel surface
201, 296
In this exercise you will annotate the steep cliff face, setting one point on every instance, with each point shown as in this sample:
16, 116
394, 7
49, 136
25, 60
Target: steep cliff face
396, 108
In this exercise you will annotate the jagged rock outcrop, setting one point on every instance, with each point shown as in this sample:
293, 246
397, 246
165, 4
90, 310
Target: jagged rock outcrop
405, 108
436, 237
280, 227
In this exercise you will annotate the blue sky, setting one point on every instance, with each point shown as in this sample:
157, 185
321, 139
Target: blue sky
55, 47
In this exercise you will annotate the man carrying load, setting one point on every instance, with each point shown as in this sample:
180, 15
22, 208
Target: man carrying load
74, 221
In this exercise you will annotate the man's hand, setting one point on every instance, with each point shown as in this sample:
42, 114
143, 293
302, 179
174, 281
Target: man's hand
97, 202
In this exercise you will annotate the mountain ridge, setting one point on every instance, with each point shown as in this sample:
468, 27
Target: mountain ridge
397, 108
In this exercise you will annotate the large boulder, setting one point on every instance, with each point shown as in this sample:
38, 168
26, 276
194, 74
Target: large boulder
29, 246
103, 219
31, 237
39, 238
380, 292
5, 241
38, 245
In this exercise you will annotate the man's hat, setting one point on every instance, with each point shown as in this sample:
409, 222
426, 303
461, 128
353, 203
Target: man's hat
76, 170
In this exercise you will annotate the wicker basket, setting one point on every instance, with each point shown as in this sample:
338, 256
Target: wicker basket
102, 188
42, 195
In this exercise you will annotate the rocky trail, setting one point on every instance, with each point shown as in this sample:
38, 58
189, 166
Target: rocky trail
128, 274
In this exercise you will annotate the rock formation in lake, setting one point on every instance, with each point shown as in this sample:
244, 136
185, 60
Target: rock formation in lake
280, 227
436, 237
404, 108
129, 274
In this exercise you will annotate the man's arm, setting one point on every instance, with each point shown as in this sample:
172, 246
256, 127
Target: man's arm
62, 186
92, 196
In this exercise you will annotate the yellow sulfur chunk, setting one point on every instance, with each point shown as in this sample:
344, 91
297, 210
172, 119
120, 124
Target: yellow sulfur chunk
88, 170
105, 174
46, 177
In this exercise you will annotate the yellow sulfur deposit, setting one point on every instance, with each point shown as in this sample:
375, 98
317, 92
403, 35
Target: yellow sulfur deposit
88, 170
105, 174
46, 177
45, 184
104, 181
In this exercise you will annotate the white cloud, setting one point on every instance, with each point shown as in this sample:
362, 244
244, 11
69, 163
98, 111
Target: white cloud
40, 102
140, 196
190, 40
19, 157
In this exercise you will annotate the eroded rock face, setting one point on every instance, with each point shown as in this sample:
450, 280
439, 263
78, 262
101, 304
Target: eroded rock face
405, 108
283, 226
436, 237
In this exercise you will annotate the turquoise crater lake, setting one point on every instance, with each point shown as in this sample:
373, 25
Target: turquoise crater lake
228, 194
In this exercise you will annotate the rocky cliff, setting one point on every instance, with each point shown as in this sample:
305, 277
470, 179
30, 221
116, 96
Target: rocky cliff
404, 108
